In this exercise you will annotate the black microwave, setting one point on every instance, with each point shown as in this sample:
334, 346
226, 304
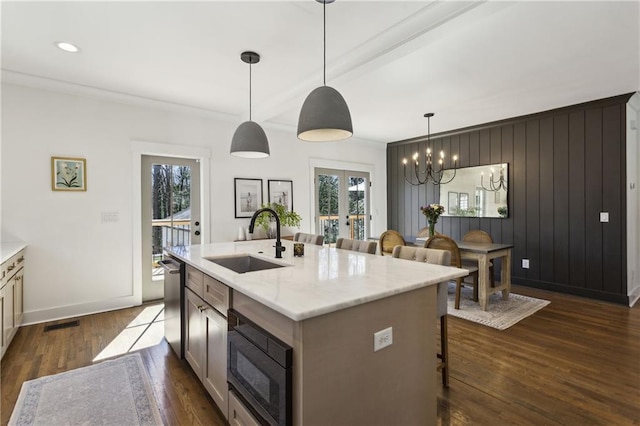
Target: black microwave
259, 370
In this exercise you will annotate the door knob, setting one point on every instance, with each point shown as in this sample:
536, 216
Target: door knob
197, 223
197, 232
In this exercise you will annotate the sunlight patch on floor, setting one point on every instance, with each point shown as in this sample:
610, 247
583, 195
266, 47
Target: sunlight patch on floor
146, 330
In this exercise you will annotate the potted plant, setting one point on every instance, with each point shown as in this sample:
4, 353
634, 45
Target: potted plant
287, 218
502, 211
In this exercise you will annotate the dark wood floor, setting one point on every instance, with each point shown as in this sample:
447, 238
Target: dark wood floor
575, 362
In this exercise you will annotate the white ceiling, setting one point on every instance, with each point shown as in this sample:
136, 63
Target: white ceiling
469, 62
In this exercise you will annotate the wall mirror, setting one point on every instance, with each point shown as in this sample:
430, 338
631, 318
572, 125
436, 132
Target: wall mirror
479, 191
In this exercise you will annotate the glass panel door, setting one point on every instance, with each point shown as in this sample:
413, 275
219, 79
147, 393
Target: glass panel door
342, 204
358, 199
327, 204
170, 214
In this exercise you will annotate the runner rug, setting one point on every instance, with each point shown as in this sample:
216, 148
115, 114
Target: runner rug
113, 392
500, 314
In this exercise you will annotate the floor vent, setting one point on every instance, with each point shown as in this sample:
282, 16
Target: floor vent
74, 323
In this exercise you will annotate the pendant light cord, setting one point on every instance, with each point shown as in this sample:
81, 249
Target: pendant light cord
250, 63
324, 42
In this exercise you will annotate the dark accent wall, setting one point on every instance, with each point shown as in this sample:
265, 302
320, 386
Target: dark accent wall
565, 167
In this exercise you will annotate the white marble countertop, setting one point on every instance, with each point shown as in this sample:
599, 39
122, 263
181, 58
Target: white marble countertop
324, 280
8, 249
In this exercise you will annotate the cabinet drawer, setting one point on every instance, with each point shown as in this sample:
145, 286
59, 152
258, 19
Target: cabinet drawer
194, 280
239, 415
11, 266
216, 294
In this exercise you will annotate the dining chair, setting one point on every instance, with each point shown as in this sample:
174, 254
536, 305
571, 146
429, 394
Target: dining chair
388, 240
357, 245
423, 232
479, 236
438, 257
302, 237
442, 242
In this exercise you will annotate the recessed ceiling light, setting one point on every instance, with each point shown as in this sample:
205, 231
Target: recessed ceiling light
67, 47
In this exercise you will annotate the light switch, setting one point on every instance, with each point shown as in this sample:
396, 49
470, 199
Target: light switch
108, 217
604, 216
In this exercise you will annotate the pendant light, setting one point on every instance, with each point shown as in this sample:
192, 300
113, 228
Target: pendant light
324, 115
249, 140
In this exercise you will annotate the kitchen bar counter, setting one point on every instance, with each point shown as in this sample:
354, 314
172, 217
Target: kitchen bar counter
329, 306
324, 280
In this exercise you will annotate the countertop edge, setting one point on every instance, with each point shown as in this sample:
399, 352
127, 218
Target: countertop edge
9, 249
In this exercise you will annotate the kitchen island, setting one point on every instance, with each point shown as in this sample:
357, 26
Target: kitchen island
327, 305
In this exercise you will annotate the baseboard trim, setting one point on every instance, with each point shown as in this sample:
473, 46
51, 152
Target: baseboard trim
575, 291
634, 296
70, 311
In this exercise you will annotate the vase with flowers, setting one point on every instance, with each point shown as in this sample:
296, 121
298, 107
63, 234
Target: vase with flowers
432, 213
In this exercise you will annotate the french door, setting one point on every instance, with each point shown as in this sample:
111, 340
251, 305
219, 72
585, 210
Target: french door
170, 214
342, 204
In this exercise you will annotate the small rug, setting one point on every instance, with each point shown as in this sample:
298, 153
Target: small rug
500, 314
114, 392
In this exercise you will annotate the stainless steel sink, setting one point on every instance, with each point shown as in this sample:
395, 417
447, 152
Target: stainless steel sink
243, 263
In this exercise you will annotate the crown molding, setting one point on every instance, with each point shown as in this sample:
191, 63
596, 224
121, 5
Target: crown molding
44, 83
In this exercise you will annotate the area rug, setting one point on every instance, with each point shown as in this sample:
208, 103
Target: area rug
114, 392
500, 314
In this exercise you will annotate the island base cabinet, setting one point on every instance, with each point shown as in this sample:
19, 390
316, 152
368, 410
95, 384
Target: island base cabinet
239, 415
205, 347
194, 334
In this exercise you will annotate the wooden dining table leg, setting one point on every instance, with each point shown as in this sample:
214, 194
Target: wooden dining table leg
483, 282
505, 275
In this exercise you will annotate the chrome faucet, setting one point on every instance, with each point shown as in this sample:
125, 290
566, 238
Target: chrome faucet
279, 248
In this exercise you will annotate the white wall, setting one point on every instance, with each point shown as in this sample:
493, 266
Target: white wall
78, 265
633, 201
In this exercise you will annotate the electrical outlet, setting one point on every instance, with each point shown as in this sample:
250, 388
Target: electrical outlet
604, 217
382, 339
525, 263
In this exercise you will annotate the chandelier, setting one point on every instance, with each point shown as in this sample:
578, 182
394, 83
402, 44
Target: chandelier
497, 184
428, 172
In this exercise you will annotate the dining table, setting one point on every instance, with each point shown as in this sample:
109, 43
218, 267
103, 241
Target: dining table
484, 253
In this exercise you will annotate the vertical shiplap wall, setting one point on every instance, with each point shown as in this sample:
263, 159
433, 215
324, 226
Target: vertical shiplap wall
565, 167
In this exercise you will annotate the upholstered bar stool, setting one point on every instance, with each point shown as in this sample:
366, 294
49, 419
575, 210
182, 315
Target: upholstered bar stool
302, 237
357, 245
438, 257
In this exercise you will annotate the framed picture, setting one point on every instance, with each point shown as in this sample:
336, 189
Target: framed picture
68, 174
463, 201
453, 203
248, 196
281, 192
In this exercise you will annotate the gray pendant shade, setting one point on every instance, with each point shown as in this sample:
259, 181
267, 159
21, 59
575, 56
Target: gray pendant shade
250, 141
324, 116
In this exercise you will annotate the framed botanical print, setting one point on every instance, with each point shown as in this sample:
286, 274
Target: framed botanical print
248, 196
68, 174
281, 192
